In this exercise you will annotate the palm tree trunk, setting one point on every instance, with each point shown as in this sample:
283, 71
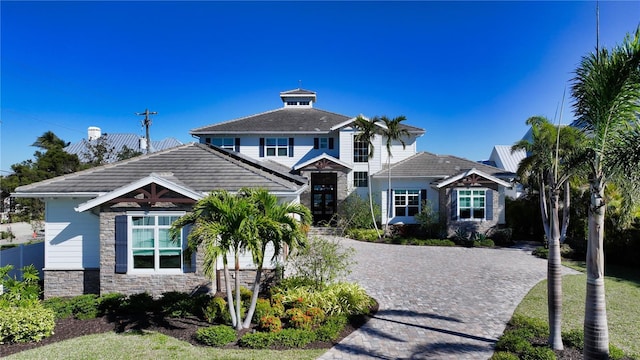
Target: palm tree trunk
238, 300
596, 331
544, 212
389, 196
373, 215
254, 297
227, 281
554, 273
566, 213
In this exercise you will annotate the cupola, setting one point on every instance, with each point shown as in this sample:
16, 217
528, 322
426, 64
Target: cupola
298, 98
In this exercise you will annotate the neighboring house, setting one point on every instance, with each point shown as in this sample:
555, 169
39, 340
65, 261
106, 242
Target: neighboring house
464, 193
106, 228
116, 142
502, 157
320, 146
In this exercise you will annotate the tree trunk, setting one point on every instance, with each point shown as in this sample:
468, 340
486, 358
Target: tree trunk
544, 212
389, 196
227, 283
566, 213
596, 331
373, 215
254, 297
238, 300
554, 273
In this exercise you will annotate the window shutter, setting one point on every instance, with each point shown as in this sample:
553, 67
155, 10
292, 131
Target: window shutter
454, 204
316, 143
423, 195
290, 147
488, 205
188, 262
237, 145
330, 143
121, 244
261, 147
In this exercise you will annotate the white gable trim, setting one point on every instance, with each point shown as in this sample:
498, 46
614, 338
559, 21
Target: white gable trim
455, 178
153, 178
321, 157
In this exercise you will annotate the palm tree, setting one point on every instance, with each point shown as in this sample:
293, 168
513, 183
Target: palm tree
49, 140
550, 162
225, 223
606, 90
393, 131
368, 129
284, 226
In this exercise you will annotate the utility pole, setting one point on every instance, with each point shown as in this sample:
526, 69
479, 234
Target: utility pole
146, 123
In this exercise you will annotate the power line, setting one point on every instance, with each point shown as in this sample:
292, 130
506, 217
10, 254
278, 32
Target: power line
147, 123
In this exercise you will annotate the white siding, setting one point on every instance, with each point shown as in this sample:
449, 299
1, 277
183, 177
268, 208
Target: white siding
246, 260
71, 238
405, 184
397, 152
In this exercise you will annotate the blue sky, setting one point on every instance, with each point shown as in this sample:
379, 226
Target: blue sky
469, 73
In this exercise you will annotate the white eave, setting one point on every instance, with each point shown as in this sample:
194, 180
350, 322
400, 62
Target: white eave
56, 194
323, 156
455, 178
153, 178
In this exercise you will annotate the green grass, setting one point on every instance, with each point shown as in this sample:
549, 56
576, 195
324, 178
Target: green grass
622, 295
149, 346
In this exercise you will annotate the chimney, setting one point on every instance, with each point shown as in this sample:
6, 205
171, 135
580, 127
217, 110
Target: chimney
93, 133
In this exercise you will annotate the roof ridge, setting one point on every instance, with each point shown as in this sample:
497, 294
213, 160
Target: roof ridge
234, 120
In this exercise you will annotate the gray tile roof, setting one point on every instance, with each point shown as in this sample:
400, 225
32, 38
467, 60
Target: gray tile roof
283, 120
298, 91
200, 167
425, 164
119, 141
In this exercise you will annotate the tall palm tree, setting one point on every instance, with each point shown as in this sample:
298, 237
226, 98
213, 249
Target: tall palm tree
284, 226
225, 223
393, 131
551, 157
606, 90
368, 129
49, 140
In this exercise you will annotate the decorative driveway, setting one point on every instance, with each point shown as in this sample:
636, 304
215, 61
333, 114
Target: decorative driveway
437, 302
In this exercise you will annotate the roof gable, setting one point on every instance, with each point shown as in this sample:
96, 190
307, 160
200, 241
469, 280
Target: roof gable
322, 161
471, 177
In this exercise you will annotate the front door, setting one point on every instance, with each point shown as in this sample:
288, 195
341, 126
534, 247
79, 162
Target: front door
323, 196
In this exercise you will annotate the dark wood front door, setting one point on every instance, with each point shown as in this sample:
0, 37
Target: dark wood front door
323, 196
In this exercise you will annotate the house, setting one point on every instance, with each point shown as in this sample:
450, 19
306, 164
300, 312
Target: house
106, 228
502, 157
116, 143
320, 146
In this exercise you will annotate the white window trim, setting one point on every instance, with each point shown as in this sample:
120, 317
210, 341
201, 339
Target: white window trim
366, 154
366, 179
323, 143
393, 202
130, 268
276, 147
232, 146
484, 217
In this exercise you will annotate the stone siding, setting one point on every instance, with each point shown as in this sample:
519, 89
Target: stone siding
469, 226
63, 283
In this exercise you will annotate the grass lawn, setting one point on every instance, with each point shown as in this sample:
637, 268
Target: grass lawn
622, 295
149, 346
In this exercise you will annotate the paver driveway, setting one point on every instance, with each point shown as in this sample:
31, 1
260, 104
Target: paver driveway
437, 302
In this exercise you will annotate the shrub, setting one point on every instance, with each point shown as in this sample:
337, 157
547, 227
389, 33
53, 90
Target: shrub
257, 340
615, 353
300, 321
354, 213
263, 308
331, 328
26, 323
541, 252
62, 307
294, 338
85, 306
215, 309
176, 304
323, 260
245, 295
428, 219
15, 290
369, 235
536, 327
484, 243
111, 304
270, 323
437, 242
316, 314
338, 298
513, 342
574, 338
140, 303
293, 282
218, 335
501, 355
538, 353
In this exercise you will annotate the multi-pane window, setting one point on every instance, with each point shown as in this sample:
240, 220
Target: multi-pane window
323, 143
151, 245
277, 146
406, 202
225, 143
360, 179
471, 204
360, 151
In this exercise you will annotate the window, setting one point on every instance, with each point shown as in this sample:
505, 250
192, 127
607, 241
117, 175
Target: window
360, 151
406, 202
360, 179
303, 103
225, 143
277, 146
323, 143
292, 103
151, 245
471, 204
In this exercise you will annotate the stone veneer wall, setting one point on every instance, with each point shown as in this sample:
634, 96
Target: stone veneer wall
342, 190
154, 284
65, 283
469, 226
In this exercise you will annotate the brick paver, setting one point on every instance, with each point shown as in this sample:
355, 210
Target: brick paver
436, 302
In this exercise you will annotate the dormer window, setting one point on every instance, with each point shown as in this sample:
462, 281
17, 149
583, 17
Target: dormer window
298, 98
292, 103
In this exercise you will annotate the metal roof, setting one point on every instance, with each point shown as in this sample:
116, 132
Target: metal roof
505, 159
119, 141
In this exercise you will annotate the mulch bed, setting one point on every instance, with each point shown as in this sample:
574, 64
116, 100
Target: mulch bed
180, 328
